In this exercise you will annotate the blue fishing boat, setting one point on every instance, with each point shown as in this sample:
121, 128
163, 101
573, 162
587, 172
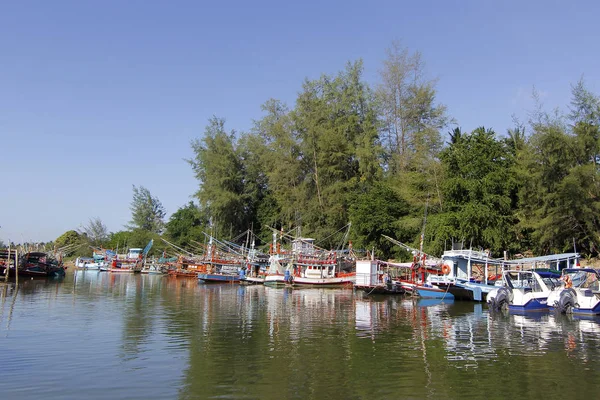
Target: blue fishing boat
432, 292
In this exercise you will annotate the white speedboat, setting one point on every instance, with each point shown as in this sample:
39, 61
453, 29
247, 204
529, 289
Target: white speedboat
579, 294
523, 291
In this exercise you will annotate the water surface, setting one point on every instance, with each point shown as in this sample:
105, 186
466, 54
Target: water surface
104, 336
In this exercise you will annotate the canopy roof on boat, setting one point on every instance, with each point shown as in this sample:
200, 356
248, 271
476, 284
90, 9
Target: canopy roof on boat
545, 259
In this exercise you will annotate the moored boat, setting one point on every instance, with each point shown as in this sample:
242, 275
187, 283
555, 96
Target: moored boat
373, 277
523, 291
91, 263
579, 294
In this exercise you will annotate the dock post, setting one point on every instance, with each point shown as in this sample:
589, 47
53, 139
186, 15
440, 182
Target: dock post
7, 269
17, 267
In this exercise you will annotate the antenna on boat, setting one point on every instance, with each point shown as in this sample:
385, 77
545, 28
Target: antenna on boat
424, 223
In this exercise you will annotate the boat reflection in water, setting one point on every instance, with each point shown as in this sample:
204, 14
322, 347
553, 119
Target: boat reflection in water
176, 338
471, 336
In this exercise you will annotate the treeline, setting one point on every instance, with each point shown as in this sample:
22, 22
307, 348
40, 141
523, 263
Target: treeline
147, 223
377, 158
391, 161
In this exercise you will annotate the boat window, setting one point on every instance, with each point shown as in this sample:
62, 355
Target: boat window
551, 283
591, 281
534, 284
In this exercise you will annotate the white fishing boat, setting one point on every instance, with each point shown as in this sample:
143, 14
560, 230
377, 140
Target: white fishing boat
90, 263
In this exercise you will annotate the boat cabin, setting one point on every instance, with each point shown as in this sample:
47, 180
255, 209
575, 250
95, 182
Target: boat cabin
528, 281
320, 271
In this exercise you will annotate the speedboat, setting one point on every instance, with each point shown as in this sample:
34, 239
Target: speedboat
579, 294
523, 291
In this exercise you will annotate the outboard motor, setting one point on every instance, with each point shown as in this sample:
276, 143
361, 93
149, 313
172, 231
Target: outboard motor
242, 274
567, 301
287, 276
502, 299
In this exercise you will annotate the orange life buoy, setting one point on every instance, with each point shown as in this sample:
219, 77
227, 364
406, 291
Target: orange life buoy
445, 269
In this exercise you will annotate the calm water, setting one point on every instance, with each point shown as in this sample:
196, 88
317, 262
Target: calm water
109, 336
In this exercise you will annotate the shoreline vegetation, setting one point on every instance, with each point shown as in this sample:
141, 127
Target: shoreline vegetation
391, 160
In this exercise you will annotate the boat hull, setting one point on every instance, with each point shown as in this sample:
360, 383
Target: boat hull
532, 305
251, 280
275, 280
322, 282
433, 293
217, 278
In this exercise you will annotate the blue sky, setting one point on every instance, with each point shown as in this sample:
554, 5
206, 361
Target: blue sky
97, 96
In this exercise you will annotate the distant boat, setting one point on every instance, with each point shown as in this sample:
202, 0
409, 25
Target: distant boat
40, 264
90, 263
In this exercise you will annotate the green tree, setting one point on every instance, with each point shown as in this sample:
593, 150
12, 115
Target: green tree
559, 182
336, 124
71, 243
119, 240
411, 119
147, 212
281, 161
378, 212
95, 232
411, 123
186, 225
477, 192
220, 173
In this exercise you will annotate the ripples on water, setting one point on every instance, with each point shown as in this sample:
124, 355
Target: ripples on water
99, 335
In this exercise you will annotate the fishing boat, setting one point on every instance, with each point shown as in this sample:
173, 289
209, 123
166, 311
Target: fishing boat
39, 264
220, 266
579, 293
90, 263
277, 275
132, 261
375, 277
255, 269
219, 271
523, 291
312, 267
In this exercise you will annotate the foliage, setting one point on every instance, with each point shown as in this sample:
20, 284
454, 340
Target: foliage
378, 212
477, 192
220, 172
119, 240
186, 226
335, 121
559, 179
411, 120
345, 153
122, 240
147, 212
94, 232
72, 243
